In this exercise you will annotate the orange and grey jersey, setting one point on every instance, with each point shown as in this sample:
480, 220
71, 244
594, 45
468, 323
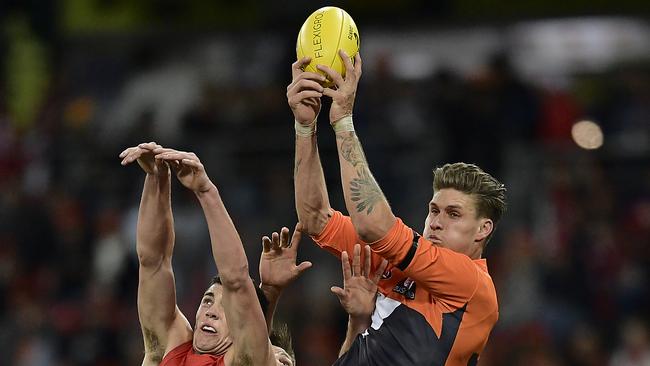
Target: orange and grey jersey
434, 307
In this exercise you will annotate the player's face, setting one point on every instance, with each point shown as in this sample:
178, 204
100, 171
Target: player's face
211, 334
452, 221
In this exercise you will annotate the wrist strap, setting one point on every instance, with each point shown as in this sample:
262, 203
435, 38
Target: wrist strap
344, 124
306, 130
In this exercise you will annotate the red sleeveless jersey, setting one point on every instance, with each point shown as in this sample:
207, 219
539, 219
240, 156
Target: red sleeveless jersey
184, 355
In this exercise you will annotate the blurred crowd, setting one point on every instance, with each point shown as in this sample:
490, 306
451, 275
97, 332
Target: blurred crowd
570, 260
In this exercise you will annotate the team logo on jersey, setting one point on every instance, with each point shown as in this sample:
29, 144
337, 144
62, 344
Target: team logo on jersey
406, 288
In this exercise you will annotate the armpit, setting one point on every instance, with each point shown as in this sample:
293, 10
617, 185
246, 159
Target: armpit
243, 360
152, 346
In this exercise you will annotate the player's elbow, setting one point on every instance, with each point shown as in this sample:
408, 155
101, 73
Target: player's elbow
150, 258
235, 277
369, 231
313, 219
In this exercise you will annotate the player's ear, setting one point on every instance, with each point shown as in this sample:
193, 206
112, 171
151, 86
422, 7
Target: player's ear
484, 229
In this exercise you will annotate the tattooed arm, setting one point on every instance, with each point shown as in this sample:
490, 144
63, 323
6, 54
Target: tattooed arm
370, 212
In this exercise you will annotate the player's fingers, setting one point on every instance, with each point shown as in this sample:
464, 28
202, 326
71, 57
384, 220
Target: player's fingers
124, 161
296, 67
132, 151
345, 266
333, 75
275, 241
366, 260
303, 95
380, 271
175, 155
349, 68
284, 360
329, 92
295, 238
171, 152
356, 260
308, 75
170, 156
125, 152
266, 244
132, 156
339, 292
302, 267
161, 164
312, 102
160, 150
174, 164
284, 237
194, 164
305, 85
149, 145
357, 64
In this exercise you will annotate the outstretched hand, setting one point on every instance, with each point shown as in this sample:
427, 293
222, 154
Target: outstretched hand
188, 168
144, 155
304, 92
278, 260
359, 285
346, 88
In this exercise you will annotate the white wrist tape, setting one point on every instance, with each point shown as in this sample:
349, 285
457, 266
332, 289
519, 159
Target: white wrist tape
306, 130
344, 124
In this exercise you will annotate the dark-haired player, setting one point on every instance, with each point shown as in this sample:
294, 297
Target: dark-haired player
230, 327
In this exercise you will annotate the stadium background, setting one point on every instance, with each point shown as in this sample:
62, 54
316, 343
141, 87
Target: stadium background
498, 84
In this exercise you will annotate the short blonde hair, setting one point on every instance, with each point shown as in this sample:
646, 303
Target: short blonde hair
490, 194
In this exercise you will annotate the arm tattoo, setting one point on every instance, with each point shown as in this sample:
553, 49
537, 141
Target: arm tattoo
351, 150
364, 189
152, 345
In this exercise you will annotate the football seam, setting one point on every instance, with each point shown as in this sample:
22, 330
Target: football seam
338, 44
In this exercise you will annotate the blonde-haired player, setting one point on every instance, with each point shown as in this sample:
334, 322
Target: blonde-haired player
436, 303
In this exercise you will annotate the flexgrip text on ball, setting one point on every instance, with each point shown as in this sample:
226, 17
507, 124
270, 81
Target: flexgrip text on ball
324, 33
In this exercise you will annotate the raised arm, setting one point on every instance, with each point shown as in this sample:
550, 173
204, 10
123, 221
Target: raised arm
368, 208
243, 313
163, 325
312, 202
278, 266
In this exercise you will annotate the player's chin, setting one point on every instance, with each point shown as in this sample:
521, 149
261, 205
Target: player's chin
206, 343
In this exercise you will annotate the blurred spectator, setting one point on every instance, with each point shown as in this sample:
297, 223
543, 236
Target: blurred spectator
634, 346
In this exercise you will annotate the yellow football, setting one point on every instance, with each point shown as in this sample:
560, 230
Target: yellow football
324, 33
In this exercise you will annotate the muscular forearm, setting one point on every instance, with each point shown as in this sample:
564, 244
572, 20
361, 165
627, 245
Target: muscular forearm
355, 327
227, 249
368, 208
155, 230
312, 202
